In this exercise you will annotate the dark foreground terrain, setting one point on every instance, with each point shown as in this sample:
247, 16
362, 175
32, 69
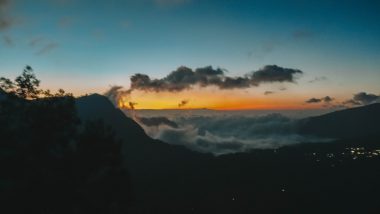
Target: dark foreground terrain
53, 161
342, 176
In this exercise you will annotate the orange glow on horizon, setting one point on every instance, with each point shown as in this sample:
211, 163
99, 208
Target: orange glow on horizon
214, 99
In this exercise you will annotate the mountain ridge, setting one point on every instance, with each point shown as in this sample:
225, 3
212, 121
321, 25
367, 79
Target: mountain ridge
358, 122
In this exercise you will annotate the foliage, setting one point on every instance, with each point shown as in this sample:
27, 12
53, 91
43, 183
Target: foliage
52, 162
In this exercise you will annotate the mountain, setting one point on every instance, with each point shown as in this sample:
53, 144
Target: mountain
144, 157
360, 122
295, 179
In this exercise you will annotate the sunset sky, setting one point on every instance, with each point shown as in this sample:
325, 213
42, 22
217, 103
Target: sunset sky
87, 46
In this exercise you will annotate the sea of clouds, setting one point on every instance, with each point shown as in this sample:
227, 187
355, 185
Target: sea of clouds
225, 133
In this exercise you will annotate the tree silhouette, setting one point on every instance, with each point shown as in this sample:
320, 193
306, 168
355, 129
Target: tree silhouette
27, 84
52, 162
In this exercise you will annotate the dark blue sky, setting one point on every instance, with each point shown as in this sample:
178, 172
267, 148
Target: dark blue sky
87, 45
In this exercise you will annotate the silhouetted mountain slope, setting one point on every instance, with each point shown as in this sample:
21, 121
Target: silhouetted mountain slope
2, 94
317, 178
95, 107
360, 122
145, 158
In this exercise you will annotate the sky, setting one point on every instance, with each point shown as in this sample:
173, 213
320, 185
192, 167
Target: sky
87, 46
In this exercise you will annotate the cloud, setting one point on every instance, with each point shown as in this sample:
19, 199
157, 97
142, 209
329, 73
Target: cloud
6, 20
183, 103
268, 92
118, 95
318, 79
157, 121
363, 98
274, 73
218, 134
47, 48
313, 100
184, 78
113, 94
325, 100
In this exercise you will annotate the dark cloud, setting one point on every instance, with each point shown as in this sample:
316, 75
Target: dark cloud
363, 98
6, 20
183, 103
185, 78
313, 100
318, 79
268, 92
47, 48
325, 100
157, 121
352, 102
274, 73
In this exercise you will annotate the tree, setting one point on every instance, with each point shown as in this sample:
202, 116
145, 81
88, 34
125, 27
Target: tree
50, 161
6, 85
27, 84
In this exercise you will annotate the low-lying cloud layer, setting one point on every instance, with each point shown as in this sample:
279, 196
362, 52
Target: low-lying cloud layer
157, 121
225, 134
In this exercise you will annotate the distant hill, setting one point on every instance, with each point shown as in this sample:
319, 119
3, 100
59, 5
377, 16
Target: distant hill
360, 122
145, 158
95, 107
172, 179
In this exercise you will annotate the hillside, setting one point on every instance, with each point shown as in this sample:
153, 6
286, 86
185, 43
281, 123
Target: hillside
360, 122
173, 179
